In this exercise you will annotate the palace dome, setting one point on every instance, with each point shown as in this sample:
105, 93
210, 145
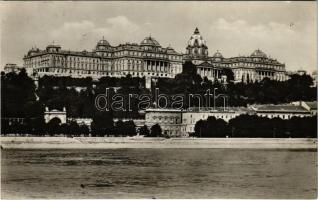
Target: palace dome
259, 54
197, 45
217, 54
150, 41
33, 50
102, 45
103, 42
170, 49
196, 39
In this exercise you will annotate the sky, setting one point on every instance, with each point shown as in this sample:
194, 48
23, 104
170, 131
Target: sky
286, 31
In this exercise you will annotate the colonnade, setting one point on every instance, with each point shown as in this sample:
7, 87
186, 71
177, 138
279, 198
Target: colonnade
156, 66
209, 72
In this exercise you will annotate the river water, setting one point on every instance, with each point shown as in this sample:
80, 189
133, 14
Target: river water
158, 173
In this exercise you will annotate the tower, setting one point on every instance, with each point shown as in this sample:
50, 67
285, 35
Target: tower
197, 46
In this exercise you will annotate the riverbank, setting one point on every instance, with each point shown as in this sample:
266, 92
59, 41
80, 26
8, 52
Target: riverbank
139, 142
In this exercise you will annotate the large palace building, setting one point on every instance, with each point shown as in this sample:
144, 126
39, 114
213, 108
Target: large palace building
245, 68
149, 59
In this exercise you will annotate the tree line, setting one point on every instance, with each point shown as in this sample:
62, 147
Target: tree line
66, 81
255, 126
72, 129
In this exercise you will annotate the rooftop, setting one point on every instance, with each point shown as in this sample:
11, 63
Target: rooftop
258, 53
312, 104
278, 108
150, 41
218, 109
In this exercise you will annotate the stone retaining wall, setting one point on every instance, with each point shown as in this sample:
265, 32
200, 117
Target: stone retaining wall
137, 142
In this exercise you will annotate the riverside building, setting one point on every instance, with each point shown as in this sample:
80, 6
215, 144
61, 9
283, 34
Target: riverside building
283, 111
181, 123
150, 60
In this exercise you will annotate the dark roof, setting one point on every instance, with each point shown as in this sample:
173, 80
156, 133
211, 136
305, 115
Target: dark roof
258, 53
150, 41
205, 64
312, 105
279, 108
219, 109
103, 42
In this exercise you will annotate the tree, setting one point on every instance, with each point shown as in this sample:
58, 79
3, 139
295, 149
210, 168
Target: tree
102, 124
144, 130
84, 130
120, 128
156, 131
52, 127
130, 128
127, 128
37, 126
65, 129
5, 127
189, 68
74, 129
18, 95
229, 74
199, 127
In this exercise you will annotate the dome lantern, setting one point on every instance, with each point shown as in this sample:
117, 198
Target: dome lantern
196, 31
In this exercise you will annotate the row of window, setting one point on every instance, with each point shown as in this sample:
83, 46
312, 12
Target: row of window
282, 116
67, 71
135, 53
256, 65
109, 68
218, 116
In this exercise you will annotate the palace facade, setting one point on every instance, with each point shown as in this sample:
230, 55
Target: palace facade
150, 60
147, 59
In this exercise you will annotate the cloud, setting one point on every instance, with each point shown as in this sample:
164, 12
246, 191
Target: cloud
84, 34
122, 23
73, 27
289, 43
73, 30
120, 29
244, 31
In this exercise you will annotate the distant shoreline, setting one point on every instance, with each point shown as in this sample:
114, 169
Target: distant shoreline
139, 142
